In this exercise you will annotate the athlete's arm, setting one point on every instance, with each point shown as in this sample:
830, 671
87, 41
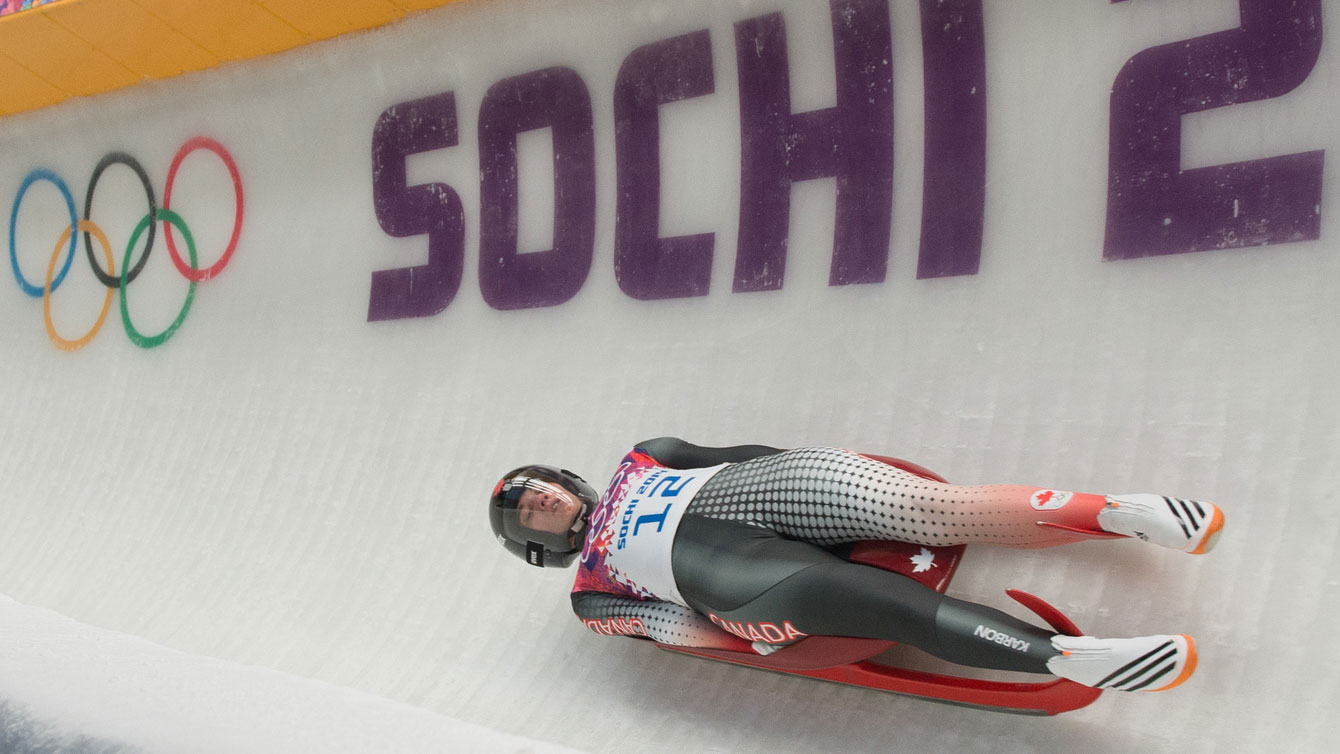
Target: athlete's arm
662, 622
678, 454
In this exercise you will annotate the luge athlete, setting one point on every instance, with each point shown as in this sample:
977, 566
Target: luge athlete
734, 548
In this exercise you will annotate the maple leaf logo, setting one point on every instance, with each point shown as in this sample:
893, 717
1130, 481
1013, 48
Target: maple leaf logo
924, 561
1049, 500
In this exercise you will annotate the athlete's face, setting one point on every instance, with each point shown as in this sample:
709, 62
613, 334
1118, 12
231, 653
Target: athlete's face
548, 508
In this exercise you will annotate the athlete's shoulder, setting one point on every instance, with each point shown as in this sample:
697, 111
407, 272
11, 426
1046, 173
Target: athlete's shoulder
680, 454
661, 447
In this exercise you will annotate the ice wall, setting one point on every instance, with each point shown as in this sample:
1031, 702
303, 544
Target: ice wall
1080, 244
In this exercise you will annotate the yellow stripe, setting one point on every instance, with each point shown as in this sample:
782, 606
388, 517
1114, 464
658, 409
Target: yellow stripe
133, 37
71, 64
23, 89
86, 47
322, 19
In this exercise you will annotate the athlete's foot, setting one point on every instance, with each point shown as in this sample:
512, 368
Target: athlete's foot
1147, 663
1184, 525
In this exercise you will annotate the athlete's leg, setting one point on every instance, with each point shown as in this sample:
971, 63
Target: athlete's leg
754, 582
749, 578
829, 496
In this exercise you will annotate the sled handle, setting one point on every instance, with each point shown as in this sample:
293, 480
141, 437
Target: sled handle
1045, 611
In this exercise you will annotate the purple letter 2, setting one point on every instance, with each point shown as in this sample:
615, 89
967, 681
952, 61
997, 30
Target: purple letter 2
405, 129
1153, 206
852, 141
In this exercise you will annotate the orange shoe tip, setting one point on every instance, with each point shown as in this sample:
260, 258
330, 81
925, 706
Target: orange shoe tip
1212, 536
1190, 667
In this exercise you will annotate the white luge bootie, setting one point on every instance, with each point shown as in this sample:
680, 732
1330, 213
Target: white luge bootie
1146, 663
1185, 525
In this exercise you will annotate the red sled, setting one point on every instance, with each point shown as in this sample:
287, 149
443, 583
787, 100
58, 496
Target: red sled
848, 660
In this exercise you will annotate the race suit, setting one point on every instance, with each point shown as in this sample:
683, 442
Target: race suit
736, 548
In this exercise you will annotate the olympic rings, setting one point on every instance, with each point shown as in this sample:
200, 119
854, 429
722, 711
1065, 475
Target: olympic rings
143, 341
34, 177
106, 278
74, 345
146, 227
190, 272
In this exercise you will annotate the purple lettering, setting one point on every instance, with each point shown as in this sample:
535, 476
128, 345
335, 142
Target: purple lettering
435, 209
954, 178
852, 141
1153, 206
646, 266
555, 98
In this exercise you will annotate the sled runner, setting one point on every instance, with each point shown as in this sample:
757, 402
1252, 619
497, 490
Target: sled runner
850, 661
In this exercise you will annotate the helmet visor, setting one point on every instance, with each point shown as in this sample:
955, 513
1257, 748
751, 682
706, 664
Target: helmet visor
542, 510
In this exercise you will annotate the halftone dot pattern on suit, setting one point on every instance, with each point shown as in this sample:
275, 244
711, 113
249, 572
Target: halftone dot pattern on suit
665, 622
830, 496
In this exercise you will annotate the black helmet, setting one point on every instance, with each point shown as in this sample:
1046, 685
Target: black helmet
540, 548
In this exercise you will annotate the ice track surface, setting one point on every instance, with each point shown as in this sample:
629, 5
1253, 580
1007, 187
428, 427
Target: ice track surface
267, 533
